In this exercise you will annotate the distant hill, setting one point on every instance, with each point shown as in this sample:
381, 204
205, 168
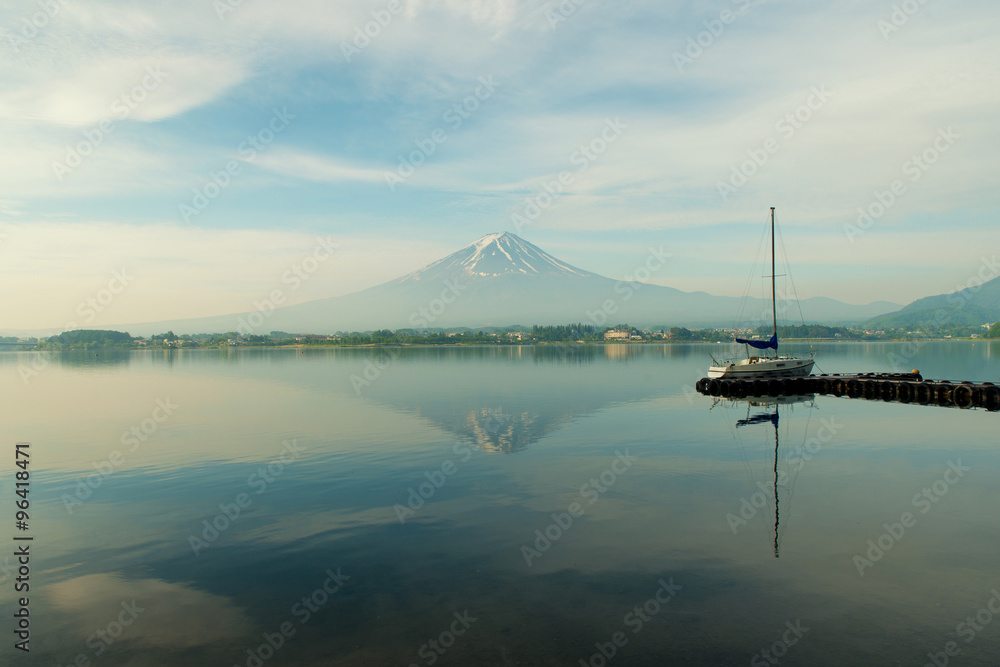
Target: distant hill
502, 280
90, 338
973, 306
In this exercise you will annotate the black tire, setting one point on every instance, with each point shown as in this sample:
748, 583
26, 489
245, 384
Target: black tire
962, 396
774, 387
991, 398
923, 392
869, 389
714, 387
905, 392
887, 390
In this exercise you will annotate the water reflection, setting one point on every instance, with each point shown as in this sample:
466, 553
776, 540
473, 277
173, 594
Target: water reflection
94, 358
30, 362
565, 413
763, 411
497, 432
507, 399
94, 611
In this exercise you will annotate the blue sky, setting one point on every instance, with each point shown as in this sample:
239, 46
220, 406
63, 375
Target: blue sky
646, 109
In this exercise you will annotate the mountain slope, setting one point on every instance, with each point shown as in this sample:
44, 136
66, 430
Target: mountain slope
501, 280
498, 280
972, 306
492, 256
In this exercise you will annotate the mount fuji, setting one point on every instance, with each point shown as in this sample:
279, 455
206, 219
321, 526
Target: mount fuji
502, 280
493, 256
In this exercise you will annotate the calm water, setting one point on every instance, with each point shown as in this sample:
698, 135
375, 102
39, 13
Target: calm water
482, 506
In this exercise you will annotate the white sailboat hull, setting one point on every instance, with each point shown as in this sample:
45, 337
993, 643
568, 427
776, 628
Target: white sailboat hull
762, 367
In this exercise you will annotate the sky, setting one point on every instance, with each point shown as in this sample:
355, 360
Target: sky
173, 160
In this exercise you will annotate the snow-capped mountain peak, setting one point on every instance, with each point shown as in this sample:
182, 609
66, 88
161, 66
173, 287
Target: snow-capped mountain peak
496, 255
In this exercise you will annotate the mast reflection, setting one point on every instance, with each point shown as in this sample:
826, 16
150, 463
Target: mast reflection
769, 415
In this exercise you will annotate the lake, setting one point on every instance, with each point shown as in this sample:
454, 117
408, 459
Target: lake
555, 505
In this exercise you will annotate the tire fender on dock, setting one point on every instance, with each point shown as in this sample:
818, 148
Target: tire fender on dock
991, 398
887, 390
854, 388
868, 389
943, 392
962, 396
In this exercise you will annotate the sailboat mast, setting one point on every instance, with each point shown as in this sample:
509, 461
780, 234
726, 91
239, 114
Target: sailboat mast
776, 483
774, 302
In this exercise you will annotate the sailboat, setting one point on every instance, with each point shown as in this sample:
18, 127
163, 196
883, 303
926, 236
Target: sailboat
763, 366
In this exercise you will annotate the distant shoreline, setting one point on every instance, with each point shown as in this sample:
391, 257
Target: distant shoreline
541, 344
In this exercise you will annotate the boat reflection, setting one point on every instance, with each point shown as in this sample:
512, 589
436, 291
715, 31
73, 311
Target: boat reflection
768, 413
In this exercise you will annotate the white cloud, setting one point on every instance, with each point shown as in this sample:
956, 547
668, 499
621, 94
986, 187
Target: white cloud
115, 89
314, 167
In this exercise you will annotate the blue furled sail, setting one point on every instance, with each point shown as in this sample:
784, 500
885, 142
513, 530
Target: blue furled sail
761, 344
759, 419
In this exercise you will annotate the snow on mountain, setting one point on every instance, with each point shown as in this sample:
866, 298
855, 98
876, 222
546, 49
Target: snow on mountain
492, 256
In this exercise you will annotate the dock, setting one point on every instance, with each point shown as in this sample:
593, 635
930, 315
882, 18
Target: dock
889, 387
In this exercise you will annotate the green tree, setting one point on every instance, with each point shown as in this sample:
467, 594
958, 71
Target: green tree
90, 339
680, 333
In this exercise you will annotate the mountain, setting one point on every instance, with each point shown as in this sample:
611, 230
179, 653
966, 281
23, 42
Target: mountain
501, 280
493, 256
974, 305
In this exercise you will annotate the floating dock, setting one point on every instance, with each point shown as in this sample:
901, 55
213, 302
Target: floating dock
890, 387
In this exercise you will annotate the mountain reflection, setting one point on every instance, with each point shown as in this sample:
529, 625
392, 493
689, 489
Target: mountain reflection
508, 399
497, 432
